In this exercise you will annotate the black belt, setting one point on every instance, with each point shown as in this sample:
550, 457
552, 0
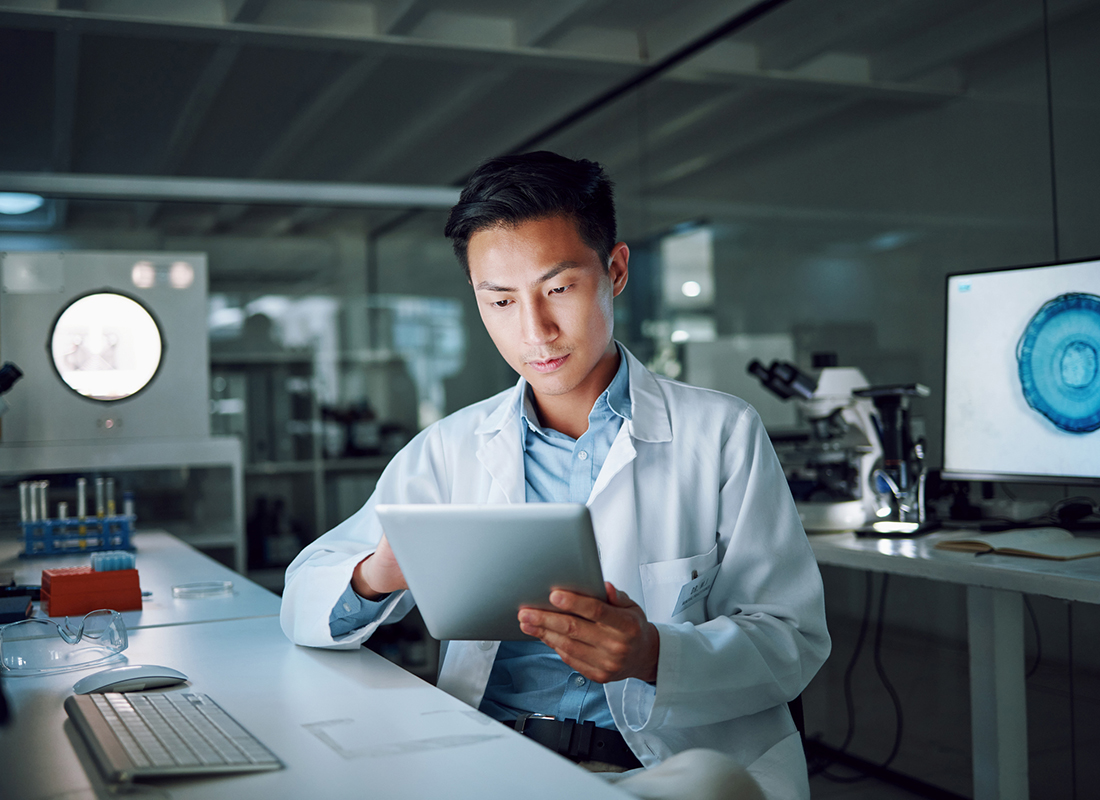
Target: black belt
578, 741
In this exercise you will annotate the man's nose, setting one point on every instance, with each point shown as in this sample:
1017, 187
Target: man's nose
538, 325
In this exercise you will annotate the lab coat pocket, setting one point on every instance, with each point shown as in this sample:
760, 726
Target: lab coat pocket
663, 582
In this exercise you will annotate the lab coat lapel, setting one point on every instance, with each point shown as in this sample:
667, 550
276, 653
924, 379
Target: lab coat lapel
501, 454
614, 501
614, 513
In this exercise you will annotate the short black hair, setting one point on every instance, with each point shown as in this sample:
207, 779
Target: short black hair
510, 190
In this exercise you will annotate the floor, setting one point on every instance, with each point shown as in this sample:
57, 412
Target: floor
931, 680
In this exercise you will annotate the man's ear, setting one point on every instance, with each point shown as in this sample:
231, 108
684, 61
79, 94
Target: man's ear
619, 269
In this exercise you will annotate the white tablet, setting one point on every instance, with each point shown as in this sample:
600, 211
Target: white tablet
470, 568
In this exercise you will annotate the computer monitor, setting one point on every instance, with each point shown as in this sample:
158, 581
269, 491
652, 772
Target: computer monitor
1022, 374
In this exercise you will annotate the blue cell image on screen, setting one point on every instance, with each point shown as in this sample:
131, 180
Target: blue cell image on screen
1059, 362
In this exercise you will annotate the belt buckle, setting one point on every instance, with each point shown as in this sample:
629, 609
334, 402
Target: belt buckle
521, 720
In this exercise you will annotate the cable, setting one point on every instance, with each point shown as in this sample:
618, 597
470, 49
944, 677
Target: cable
740, 20
1038, 640
1072, 703
849, 700
1050, 132
880, 670
882, 674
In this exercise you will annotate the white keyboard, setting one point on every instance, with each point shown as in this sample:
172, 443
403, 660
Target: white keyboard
141, 734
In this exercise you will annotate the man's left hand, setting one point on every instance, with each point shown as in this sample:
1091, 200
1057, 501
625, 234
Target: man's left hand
603, 641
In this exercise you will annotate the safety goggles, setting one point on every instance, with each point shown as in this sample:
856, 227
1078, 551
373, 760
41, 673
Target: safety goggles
39, 646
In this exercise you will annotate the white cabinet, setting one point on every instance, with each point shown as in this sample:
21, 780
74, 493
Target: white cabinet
193, 488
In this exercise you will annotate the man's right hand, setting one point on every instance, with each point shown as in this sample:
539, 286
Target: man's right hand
378, 574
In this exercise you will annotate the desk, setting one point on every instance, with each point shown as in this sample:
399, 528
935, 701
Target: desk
346, 723
995, 586
163, 561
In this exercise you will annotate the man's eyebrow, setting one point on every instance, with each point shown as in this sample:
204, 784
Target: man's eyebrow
554, 271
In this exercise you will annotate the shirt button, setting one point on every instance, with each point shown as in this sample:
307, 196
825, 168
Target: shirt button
583, 455
347, 607
579, 680
485, 645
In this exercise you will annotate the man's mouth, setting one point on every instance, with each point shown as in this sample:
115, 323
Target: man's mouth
549, 365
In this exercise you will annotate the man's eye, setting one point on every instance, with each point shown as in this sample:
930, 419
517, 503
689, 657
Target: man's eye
558, 290
501, 303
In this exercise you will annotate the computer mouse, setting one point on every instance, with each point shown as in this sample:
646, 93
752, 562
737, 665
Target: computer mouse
129, 678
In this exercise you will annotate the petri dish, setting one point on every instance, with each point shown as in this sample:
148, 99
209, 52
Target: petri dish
196, 591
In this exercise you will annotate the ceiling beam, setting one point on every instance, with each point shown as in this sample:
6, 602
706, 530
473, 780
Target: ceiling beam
805, 37
214, 190
976, 29
382, 45
729, 143
190, 120
554, 19
249, 11
311, 119
314, 117
66, 65
728, 211
400, 17
427, 126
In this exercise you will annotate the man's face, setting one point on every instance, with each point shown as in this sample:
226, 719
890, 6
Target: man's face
546, 301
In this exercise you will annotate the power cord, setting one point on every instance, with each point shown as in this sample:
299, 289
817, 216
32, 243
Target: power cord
1072, 704
1038, 640
822, 768
882, 674
823, 765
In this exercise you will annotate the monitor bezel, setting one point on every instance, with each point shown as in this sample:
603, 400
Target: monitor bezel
1006, 477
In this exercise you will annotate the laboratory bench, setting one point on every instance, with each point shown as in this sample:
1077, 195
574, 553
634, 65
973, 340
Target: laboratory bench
995, 586
344, 722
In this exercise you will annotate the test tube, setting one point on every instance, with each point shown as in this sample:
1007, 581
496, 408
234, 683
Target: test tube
62, 510
24, 501
110, 497
44, 506
100, 499
128, 503
32, 491
82, 497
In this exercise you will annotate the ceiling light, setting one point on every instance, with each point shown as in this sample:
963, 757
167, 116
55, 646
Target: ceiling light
144, 275
691, 289
181, 275
20, 202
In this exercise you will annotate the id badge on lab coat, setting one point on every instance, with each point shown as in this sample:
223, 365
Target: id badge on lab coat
695, 590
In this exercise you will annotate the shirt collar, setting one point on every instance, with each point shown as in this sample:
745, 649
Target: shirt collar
614, 399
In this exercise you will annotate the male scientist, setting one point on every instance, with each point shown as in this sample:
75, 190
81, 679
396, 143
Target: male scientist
682, 484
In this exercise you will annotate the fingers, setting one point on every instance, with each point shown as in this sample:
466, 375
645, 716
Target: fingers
600, 660
604, 641
590, 607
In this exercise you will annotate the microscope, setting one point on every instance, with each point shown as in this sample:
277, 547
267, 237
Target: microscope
858, 468
9, 374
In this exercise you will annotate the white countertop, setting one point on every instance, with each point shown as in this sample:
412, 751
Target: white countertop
163, 561
1069, 580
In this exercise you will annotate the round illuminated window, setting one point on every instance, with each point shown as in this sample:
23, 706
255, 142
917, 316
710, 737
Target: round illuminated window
106, 346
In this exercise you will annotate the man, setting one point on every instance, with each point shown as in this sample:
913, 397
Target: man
682, 484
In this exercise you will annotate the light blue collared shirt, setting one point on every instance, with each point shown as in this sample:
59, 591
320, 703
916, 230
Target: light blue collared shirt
528, 676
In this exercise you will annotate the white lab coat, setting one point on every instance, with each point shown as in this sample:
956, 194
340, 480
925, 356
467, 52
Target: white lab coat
690, 481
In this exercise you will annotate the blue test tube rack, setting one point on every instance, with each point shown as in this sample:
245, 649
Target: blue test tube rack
52, 537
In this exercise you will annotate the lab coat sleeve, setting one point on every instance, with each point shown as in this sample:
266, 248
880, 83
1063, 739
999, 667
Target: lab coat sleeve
318, 577
764, 636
